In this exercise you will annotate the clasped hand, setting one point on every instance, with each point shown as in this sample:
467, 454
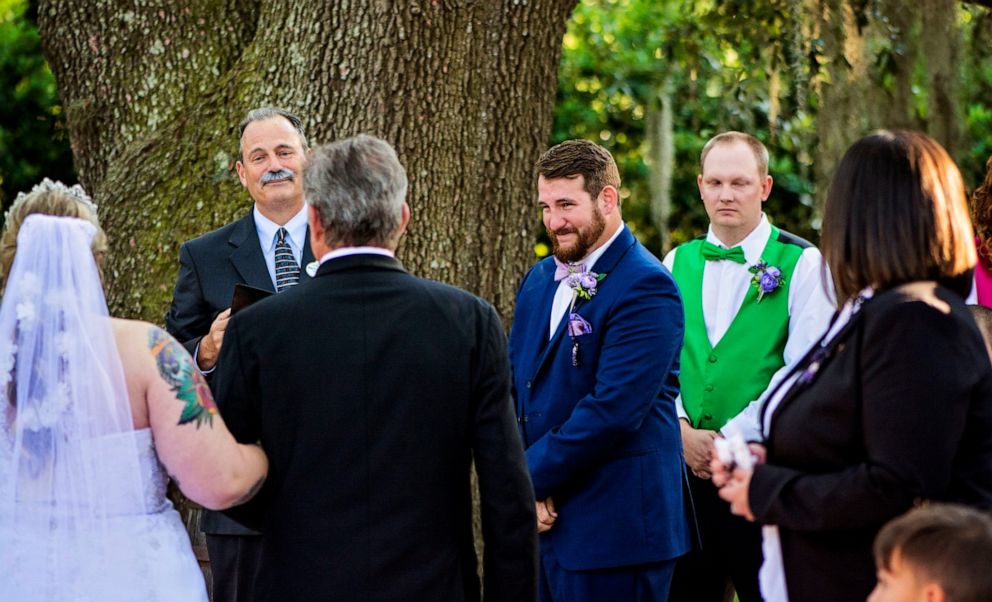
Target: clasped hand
546, 515
734, 483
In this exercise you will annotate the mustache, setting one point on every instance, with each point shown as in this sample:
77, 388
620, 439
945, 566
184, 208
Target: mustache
561, 231
279, 174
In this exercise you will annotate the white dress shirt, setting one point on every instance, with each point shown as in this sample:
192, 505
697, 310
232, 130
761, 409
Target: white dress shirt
268, 236
563, 296
268, 231
725, 283
345, 251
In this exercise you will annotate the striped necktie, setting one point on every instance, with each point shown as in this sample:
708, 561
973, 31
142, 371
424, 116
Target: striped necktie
287, 270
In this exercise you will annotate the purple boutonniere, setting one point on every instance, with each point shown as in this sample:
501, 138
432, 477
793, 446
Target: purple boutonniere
584, 284
767, 278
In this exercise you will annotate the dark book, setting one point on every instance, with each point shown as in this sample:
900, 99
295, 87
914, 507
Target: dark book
245, 295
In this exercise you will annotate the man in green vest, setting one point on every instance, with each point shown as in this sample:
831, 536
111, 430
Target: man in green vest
754, 302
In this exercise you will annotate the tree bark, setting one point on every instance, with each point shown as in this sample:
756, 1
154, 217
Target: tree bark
154, 90
661, 151
852, 100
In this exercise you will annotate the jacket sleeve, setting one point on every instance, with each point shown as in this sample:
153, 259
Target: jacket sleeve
189, 316
641, 340
914, 389
509, 525
236, 389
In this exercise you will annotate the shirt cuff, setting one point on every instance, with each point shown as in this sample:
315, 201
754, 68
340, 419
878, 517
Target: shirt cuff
196, 352
680, 409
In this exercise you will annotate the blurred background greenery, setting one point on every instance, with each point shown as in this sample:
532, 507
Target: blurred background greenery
652, 80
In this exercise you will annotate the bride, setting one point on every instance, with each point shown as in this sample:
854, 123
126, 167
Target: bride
96, 414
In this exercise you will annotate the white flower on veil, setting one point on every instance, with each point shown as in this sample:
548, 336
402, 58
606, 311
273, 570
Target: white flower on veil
25, 312
7, 354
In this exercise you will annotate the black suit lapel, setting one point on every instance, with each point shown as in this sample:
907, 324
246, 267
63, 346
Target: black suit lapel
246, 255
308, 257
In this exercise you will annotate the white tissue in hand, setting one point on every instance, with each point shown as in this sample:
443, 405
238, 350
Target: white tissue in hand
733, 452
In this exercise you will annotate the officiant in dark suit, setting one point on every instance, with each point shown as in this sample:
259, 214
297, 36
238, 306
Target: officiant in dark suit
265, 249
373, 413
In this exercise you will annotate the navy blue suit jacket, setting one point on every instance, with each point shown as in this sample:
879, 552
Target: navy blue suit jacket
602, 438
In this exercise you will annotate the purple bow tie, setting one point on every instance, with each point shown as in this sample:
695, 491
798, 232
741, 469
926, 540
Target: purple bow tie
562, 270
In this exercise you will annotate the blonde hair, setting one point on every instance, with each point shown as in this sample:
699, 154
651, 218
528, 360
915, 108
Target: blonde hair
48, 198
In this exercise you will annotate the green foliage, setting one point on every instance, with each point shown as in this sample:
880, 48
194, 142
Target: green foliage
716, 61
33, 141
976, 80
738, 65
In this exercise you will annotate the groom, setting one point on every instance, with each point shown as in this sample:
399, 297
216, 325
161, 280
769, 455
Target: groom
594, 352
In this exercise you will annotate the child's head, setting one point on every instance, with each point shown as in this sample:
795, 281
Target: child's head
936, 553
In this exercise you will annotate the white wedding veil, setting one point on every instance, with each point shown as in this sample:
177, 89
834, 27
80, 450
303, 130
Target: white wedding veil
70, 467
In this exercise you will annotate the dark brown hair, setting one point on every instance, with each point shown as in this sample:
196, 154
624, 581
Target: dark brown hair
945, 543
896, 213
981, 208
757, 148
574, 158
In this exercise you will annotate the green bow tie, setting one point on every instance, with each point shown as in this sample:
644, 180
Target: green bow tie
711, 252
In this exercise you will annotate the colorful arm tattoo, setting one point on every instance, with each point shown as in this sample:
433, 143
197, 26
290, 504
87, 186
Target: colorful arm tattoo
176, 368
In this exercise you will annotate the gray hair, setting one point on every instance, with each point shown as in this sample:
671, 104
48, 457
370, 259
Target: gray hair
358, 187
263, 113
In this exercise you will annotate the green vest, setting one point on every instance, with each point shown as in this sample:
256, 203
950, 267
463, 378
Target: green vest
718, 382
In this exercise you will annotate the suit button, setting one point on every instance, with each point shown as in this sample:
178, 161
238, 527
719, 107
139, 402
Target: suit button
528, 384
708, 388
707, 416
712, 358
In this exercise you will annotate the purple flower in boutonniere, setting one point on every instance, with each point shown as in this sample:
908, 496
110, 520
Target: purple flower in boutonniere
584, 284
767, 278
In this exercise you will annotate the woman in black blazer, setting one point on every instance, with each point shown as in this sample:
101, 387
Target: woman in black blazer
894, 406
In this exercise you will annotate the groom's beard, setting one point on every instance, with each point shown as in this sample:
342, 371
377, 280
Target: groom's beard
586, 238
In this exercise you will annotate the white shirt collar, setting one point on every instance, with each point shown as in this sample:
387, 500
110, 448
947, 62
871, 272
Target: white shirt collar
591, 259
345, 251
296, 229
753, 244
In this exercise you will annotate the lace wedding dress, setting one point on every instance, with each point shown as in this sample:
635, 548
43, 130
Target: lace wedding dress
83, 512
146, 555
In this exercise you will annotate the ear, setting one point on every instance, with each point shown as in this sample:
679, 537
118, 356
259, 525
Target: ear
241, 173
610, 198
766, 188
933, 592
699, 184
404, 220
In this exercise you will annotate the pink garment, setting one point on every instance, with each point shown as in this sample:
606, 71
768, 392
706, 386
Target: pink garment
983, 275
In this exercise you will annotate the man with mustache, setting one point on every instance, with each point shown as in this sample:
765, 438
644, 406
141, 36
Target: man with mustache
264, 249
755, 301
594, 352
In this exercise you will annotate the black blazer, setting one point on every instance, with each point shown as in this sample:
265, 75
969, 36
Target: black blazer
371, 415
209, 267
899, 412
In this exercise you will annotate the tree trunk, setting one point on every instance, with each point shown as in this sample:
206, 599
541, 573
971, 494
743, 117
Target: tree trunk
852, 99
153, 92
661, 151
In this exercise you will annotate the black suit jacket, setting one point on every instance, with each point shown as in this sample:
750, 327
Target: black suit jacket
900, 411
209, 267
371, 418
